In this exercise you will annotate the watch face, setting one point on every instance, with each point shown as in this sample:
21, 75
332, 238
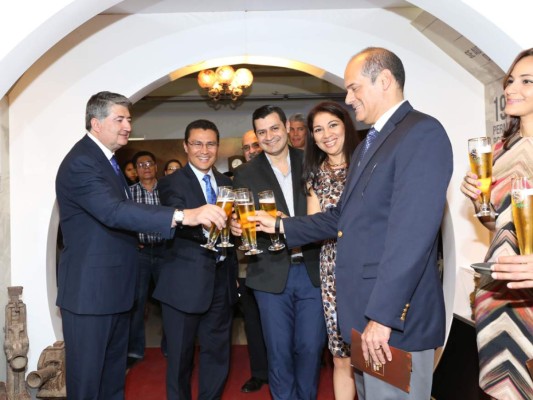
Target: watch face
235, 163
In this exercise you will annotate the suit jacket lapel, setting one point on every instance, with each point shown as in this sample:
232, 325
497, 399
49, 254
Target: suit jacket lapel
300, 202
356, 169
108, 170
194, 184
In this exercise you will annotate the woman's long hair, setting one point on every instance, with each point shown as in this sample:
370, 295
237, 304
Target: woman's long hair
314, 157
513, 127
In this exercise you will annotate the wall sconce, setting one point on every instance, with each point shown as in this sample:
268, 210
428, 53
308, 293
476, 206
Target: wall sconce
225, 81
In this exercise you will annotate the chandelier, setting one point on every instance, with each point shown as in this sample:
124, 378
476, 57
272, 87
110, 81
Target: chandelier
225, 81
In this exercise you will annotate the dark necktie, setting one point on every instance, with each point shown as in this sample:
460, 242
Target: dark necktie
115, 165
370, 137
210, 193
118, 171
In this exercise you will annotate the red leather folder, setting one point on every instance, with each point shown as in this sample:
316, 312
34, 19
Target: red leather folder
396, 372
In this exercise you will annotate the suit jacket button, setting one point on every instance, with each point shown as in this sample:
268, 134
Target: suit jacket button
339, 234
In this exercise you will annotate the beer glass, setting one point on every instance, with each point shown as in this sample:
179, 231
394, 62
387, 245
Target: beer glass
267, 203
245, 203
522, 208
480, 153
225, 199
224, 236
245, 246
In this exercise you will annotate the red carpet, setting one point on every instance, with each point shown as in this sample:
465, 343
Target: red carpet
146, 380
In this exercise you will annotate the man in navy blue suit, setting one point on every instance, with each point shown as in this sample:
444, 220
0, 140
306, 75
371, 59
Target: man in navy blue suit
197, 287
98, 267
387, 225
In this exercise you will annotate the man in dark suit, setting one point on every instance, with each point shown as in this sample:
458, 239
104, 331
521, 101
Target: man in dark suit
285, 283
98, 266
196, 286
387, 225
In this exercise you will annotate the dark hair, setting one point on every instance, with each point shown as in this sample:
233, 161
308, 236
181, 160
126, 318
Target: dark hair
377, 59
266, 110
140, 154
513, 127
171, 161
201, 124
125, 165
314, 156
99, 106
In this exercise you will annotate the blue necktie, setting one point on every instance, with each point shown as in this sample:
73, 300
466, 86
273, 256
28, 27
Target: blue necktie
115, 165
370, 137
118, 171
210, 193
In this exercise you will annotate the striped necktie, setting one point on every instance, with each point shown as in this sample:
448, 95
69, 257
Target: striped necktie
210, 193
115, 165
370, 137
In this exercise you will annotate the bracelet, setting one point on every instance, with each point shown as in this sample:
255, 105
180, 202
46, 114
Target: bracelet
276, 225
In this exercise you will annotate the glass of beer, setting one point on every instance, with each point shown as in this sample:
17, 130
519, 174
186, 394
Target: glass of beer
267, 203
522, 208
245, 246
480, 153
225, 199
224, 236
245, 203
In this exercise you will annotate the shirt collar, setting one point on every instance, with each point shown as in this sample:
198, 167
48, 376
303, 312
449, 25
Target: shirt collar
380, 123
199, 174
108, 153
288, 160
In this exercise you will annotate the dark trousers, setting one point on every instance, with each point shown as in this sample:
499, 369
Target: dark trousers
150, 259
95, 350
295, 333
213, 329
254, 332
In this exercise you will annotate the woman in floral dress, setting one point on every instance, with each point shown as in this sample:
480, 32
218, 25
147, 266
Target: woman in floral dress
331, 141
503, 313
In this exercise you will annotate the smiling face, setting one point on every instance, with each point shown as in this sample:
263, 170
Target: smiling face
297, 134
201, 148
519, 89
250, 145
114, 130
328, 132
363, 95
272, 134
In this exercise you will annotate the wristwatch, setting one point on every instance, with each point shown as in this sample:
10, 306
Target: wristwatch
178, 216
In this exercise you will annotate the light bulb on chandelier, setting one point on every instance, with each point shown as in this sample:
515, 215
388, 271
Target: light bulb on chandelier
225, 81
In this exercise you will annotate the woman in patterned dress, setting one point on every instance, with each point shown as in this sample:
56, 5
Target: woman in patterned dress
331, 140
504, 311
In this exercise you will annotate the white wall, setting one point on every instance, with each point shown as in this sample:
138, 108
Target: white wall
5, 236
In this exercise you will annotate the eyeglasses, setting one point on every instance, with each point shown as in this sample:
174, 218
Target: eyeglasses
172, 168
247, 147
200, 145
145, 164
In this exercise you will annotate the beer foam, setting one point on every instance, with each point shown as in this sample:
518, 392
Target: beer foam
485, 149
